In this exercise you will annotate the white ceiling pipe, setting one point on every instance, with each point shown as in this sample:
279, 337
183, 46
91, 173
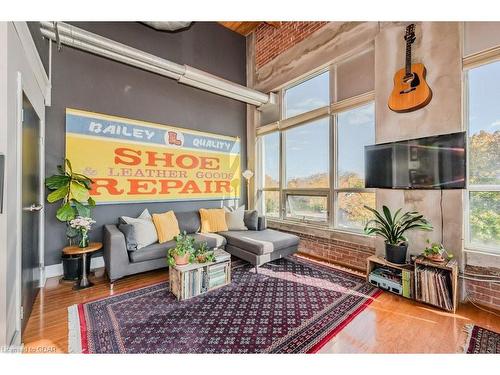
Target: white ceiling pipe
194, 74
94, 43
109, 54
216, 90
78, 34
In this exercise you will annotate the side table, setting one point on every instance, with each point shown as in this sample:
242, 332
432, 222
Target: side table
83, 281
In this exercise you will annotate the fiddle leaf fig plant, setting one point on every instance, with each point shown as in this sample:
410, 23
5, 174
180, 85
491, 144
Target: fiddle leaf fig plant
393, 227
72, 190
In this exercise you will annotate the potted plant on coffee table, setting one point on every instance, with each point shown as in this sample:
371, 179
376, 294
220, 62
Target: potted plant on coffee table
183, 252
392, 228
204, 254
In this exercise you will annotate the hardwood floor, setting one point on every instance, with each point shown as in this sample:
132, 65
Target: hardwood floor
389, 325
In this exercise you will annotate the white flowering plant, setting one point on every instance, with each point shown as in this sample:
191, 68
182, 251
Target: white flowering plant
83, 225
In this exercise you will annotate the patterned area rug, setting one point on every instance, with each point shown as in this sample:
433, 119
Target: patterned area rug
290, 306
481, 340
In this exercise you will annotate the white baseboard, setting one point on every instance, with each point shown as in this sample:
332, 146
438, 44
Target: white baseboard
56, 270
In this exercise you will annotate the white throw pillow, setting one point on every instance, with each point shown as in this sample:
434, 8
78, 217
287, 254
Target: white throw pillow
144, 228
234, 218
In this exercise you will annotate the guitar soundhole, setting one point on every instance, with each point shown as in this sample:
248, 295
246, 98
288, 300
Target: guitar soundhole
412, 80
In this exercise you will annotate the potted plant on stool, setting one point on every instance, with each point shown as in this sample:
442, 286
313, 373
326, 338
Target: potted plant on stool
71, 189
82, 225
392, 229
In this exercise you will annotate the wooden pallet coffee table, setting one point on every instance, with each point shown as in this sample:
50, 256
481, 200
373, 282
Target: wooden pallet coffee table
195, 279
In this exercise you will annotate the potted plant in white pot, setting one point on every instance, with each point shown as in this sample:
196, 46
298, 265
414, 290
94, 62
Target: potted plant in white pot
392, 228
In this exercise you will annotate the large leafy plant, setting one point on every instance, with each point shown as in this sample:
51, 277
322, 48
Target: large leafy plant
72, 190
393, 227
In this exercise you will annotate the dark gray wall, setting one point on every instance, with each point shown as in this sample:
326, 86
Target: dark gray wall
84, 81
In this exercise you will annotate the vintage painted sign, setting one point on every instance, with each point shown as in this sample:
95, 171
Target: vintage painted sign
136, 161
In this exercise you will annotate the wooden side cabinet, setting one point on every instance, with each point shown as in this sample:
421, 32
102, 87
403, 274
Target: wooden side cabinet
433, 283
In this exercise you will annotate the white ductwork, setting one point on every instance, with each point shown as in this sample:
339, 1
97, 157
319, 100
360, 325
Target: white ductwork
168, 25
96, 44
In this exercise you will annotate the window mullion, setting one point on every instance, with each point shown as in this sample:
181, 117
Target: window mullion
333, 170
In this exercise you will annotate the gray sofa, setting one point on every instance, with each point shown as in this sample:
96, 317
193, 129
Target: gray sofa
255, 246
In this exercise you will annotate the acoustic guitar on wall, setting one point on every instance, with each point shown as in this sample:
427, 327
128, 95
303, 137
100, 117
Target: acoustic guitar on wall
411, 91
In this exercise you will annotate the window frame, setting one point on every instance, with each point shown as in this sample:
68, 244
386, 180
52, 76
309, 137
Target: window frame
306, 193
332, 110
469, 63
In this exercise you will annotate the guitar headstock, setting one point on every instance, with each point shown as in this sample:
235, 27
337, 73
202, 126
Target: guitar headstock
410, 33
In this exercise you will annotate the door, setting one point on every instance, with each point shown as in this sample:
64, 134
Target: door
31, 208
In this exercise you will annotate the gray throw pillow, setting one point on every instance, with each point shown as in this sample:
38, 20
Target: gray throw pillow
189, 221
129, 233
145, 230
251, 219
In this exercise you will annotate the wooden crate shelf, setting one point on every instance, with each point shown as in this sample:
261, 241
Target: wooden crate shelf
195, 279
449, 269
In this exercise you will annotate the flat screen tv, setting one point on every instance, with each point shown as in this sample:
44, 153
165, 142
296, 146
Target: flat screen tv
436, 162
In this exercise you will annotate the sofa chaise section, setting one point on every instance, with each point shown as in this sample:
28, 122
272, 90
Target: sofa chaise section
260, 247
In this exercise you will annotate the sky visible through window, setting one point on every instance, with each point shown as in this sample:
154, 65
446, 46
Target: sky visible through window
484, 98
271, 149
356, 129
307, 149
308, 95
307, 145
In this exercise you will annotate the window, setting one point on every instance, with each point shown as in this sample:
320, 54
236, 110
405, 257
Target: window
319, 178
307, 153
307, 96
483, 214
307, 207
269, 173
271, 200
355, 130
307, 171
270, 153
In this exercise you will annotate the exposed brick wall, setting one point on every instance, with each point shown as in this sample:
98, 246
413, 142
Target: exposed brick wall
272, 41
344, 253
485, 293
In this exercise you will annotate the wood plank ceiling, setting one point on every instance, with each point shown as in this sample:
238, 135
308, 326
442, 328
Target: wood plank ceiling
246, 28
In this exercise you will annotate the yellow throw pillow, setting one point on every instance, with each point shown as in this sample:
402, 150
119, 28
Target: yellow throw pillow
166, 225
213, 220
